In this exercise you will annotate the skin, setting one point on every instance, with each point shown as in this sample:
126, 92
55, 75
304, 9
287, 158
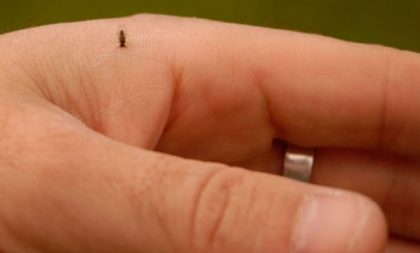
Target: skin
174, 143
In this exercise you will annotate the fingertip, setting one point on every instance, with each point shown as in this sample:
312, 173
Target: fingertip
335, 221
373, 233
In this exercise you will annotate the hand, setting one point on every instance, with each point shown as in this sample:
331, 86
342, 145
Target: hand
143, 148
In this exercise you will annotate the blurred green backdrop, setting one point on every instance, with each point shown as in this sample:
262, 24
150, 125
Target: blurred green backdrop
390, 22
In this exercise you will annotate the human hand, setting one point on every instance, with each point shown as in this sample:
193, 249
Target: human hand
144, 148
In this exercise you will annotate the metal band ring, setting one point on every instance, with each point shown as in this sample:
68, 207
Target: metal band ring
298, 163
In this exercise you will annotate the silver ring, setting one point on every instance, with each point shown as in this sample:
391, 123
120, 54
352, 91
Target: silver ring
298, 163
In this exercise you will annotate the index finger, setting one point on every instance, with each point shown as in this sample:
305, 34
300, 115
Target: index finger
313, 91
319, 91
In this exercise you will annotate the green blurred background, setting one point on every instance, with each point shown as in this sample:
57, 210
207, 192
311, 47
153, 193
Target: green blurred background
389, 22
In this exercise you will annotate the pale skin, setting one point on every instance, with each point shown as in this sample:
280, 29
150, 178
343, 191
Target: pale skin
172, 143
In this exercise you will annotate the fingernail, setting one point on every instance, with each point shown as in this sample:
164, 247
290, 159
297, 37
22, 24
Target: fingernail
329, 222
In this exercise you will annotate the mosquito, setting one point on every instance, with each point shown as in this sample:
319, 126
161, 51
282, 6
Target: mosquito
122, 38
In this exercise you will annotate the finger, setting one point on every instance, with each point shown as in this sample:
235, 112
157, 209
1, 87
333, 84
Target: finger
225, 84
76, 191
317, 91
402, 246
392, 181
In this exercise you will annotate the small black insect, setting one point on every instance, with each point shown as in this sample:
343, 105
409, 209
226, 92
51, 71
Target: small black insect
122, 39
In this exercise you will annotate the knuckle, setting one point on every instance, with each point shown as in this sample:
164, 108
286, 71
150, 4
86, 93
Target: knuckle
214, 209
228, 208
387, 76
204, 202
397, 69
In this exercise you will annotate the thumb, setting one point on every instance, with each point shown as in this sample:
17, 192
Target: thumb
215, 208
91, 194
